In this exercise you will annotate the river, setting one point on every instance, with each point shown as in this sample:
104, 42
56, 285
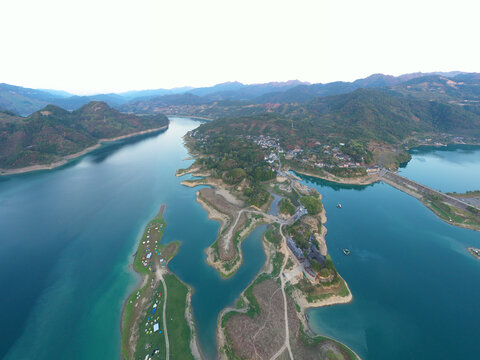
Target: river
68, 235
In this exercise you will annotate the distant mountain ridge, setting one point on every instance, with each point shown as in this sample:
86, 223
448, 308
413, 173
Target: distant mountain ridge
289, 92
25, 101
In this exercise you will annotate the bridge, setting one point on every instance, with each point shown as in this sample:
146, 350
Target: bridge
418, 190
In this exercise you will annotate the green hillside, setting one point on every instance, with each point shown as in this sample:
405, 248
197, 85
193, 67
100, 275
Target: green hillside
51, 133
364, 115
22, 100
346, 133
461, 89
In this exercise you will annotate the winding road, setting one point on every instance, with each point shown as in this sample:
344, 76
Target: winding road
228, 238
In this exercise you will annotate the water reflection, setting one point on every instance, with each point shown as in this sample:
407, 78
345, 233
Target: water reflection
110, 148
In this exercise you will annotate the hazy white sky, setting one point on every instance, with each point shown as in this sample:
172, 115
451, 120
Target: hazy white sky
87, 46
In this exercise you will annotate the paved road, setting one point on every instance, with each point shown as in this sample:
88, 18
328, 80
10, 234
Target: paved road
287, 329
395, 180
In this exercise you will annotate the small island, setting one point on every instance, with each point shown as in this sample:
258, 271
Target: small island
475, 252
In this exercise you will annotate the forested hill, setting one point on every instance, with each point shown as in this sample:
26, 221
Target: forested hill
363, 115
377, 115
341, 135
51, 133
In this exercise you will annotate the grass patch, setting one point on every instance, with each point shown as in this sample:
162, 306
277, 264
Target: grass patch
451, 214
286, 206
178, 329
277, 263
149, 341
272, 235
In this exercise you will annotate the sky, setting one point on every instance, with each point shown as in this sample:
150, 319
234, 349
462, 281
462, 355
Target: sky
92, 46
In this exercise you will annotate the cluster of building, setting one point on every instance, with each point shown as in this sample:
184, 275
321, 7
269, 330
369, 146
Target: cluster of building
305, 257
443, 140
332, 155
428, 141
147, 257
301, 210
272, 158
336, 158
266, 142
293, 153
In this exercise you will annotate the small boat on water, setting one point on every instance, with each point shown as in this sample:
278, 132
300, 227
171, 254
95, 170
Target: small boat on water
339, 206
346, 251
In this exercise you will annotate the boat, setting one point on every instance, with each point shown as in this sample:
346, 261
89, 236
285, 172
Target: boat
339, 205
346, 251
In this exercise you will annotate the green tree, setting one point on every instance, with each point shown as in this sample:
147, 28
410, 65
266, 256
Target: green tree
312, 204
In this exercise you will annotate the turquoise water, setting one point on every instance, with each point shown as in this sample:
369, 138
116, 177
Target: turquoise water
450, 168
274, 205
415, 286
67, 239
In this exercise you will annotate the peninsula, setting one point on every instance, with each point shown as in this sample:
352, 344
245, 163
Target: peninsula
356, 153
53, 136
298, 273
147, 331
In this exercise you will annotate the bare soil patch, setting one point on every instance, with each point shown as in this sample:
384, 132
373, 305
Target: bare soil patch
262, 336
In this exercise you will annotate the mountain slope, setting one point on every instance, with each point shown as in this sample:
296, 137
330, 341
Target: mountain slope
375, 114
363, 115
461, 89
23, 100
51, 133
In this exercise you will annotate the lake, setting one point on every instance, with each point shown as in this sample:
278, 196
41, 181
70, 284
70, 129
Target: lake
415, 286
67, 241
68, 235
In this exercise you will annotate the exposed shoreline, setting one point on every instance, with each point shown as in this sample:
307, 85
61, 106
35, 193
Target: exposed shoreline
189, 116
420, 197
474, 252
363, 180
224, 220
70, 157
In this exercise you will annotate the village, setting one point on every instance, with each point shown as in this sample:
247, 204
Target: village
320, 156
